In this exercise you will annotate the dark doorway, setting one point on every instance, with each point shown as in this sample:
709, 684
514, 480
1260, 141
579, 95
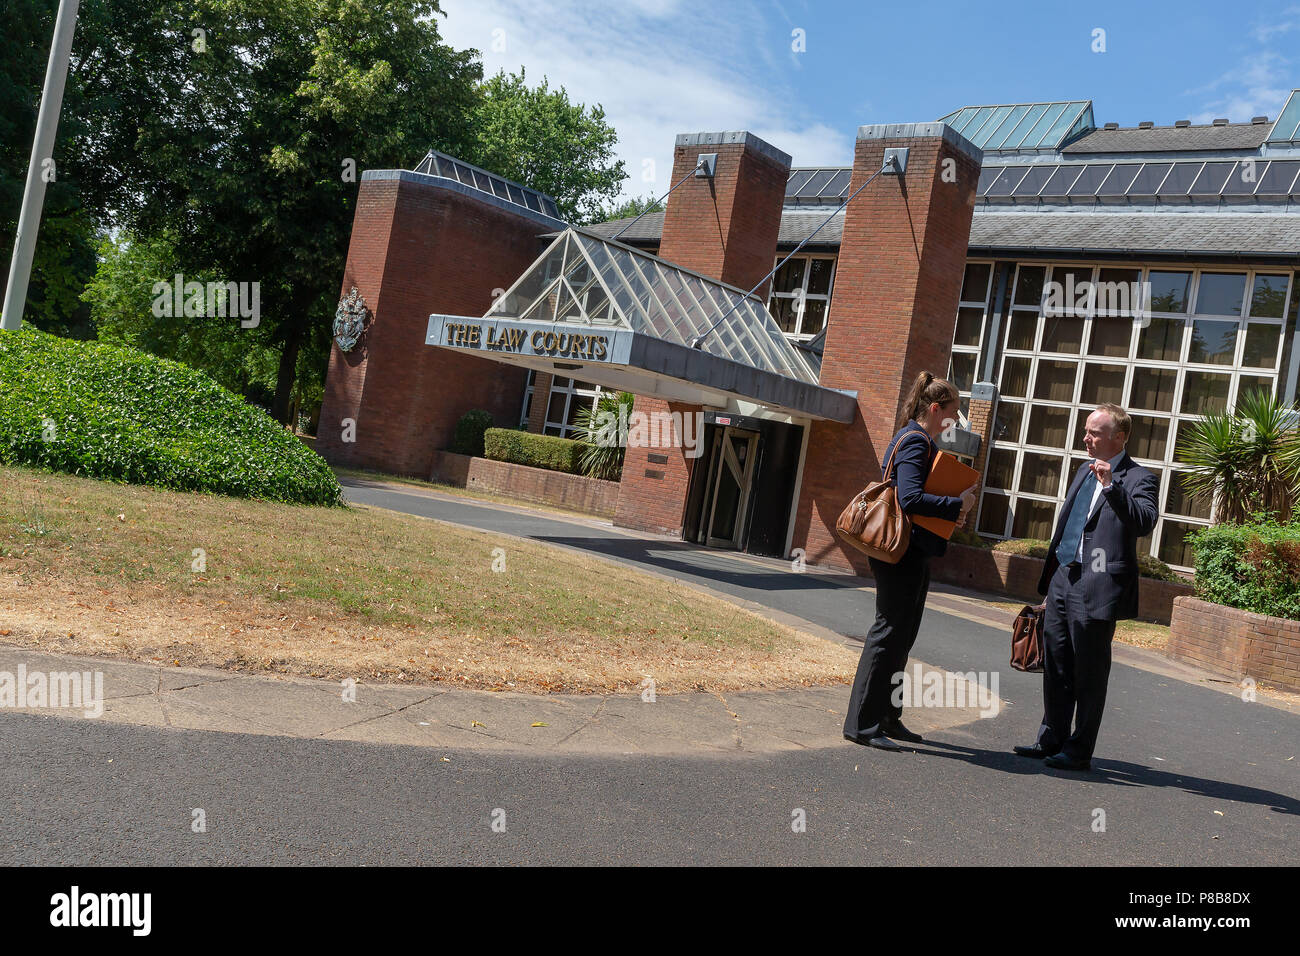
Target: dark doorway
741, 488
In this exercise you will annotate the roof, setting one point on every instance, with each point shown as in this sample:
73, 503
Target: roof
1171, 139
1102, 232
1022, 126
457, 170
1212, 234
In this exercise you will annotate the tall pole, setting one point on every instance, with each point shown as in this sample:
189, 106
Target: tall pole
47, 124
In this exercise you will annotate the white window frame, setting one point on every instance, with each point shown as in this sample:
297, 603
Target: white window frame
802, 292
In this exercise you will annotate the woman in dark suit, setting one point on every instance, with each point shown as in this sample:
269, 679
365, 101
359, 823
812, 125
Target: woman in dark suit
873, 718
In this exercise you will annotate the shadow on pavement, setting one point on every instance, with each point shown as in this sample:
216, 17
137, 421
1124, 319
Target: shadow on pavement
1117, 772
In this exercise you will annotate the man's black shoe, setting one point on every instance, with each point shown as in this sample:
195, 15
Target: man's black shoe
856, 739
1063, 762
898, 731
882, 742
1035, 751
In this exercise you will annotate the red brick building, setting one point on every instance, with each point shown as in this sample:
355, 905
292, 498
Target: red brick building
789, 433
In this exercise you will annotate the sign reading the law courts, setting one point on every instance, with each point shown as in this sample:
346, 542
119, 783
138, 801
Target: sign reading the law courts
519, 337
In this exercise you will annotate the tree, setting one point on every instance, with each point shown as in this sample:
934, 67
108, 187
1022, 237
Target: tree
631, 208
1249, 460
536, 136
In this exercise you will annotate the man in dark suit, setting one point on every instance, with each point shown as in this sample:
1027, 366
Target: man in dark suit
1091, 581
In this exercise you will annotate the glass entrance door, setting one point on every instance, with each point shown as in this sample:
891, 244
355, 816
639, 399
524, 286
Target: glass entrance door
733, 456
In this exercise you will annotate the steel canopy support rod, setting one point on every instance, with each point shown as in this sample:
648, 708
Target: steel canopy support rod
698, 166
698, 341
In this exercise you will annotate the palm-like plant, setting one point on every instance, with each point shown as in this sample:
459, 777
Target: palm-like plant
599, 428
1249, 459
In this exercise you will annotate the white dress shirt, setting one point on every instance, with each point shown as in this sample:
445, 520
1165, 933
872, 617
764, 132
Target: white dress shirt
1096, 493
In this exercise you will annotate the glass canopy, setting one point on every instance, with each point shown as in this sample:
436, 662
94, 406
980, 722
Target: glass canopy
583, 280
1022, 126
1287, 127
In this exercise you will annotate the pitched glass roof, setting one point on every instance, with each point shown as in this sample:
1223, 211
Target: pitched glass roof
1287, 127
583, 280
1272, 180
448, 167
1022, 126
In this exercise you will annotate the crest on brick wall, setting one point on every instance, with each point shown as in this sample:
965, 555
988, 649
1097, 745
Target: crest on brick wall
350, 320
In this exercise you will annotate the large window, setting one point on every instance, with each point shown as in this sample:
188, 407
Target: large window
1211, 335
968, 336
801, 295
567, 399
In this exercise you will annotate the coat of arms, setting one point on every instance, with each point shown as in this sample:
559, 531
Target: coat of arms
350, 320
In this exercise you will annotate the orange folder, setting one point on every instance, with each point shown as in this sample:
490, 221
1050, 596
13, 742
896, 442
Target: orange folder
948, 477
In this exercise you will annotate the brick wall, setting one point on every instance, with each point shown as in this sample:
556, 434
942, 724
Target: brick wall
575, 492
417, 249
725, 228
897, 285
1228, 640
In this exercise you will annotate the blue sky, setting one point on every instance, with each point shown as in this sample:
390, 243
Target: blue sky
661, 67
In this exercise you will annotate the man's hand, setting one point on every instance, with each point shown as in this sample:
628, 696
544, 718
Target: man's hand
967, 503
1101, 469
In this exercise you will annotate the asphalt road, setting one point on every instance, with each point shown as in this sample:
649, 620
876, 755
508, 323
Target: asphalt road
1184, 775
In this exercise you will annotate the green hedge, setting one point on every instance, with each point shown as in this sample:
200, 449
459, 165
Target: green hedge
1255, 567
468, 437
1148, 567
103, 411
539, 451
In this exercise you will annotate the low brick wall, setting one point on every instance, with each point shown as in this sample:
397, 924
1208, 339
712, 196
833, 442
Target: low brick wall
589, 495
1016, 575
1228, 640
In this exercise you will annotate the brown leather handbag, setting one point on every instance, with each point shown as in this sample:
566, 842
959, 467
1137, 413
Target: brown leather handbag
873, 522
1027, 639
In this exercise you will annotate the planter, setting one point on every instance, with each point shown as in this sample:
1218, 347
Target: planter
1236, 643
524, 483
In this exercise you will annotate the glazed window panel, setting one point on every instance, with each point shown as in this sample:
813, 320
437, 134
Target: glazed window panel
1103, 383
1261, 348
1007, 421
1040, 474
1161, 340
1033, 519
1111, 337
1153, 389
1062, 334
1174, 545
1179, 499
1169, 290
1001, 468
1213, 342
1015, 377
1250, 383
1029, 285
1205, 392
975, 282
962, 370
1220, 293
1149, 438
1268, 297
993, 514
1021, 330
970, 326
1048, 426
1055, 381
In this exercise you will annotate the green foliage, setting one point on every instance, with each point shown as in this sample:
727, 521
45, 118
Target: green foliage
1250, 457
598, 429
970, 538
1148, 567
631, 208
537, 137
1255, 567
113, 413
537, 451
468, 437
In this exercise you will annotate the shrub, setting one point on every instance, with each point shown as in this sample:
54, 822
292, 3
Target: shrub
108, 412
1255, 567
598, 429
969, 538
468, 437
538, 451
1148, 567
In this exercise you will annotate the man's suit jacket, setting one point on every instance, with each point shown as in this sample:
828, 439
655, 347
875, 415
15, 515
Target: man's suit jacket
1124, 512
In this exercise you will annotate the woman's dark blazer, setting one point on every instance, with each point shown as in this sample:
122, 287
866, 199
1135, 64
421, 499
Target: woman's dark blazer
911, 468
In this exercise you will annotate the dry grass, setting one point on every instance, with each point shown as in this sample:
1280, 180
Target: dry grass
96, 568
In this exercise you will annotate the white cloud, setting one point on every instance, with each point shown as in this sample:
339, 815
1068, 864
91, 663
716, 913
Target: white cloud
1260, 83
658, 69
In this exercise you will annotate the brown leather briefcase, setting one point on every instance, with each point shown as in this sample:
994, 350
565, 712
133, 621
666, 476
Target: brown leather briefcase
1027, 639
